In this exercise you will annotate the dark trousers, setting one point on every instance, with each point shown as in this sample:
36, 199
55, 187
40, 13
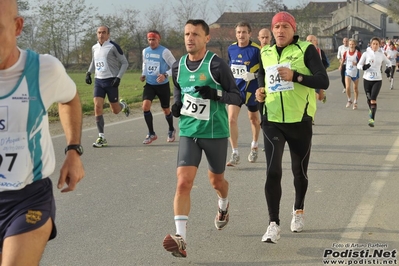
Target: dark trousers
343, 75
299, 138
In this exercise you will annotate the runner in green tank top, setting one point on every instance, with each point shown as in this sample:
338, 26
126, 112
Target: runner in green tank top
204, 85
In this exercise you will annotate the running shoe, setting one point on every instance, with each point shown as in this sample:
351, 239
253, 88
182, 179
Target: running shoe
324, 99
348, 104
222, 218
370, 114
391, 83
171, 135
253, 155
149, 138
272, 234
234, 160
354, 106
176, 245
297, 221
100, 142
371, 122
126, 108
344, 91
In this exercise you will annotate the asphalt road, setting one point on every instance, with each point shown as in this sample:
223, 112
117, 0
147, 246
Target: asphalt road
121, 211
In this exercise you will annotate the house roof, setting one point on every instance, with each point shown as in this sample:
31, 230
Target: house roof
324, 7
263, 19
230, 19
384, 3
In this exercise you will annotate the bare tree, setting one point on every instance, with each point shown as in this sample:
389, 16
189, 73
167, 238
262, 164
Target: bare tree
60, 27
271, 6
307, 19
221, 7
27, 38
183, 11
203, 11
242, 5
23, 5
157, 19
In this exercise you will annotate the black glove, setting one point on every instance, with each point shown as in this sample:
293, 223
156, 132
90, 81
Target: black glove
207, 92
176, 107
365, 67
388, 72
88, 78
115, 82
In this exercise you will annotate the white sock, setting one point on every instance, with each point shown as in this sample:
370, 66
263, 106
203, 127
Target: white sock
223, 202
181, 225
235, 150
254, 145
101, 135
349, 99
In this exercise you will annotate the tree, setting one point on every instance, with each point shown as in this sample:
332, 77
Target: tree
271, 6
203, 11
183, 11
242, 5
61, 25
393, 10
125, 25
307, 18
220, 6
26, 39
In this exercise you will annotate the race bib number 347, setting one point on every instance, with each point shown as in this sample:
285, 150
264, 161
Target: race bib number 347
274, 82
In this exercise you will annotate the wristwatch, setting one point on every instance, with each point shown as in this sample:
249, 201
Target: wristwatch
299, 78
77, 147
166, 75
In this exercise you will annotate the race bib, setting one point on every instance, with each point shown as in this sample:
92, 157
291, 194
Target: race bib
350, 69
101, 65
14, 155
152, 68
371, 74
273, 81
196, 107
238, 71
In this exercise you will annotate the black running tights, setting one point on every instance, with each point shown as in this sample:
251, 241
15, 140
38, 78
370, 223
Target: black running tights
299, 137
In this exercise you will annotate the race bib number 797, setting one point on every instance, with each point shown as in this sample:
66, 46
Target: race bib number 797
195, 107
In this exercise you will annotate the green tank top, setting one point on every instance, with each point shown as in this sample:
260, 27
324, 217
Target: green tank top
200, 118
287, 106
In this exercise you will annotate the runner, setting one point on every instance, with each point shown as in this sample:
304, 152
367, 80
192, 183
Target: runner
371, 62
350, 59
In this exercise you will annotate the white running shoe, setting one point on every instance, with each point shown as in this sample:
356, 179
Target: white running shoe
348, 104
298, 221
272, 234
253, 155
234, 160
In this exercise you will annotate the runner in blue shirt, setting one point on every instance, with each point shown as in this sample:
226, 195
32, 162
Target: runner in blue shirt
244, 63
157, 62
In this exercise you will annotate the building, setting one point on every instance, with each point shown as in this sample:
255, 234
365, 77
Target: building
329, 21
